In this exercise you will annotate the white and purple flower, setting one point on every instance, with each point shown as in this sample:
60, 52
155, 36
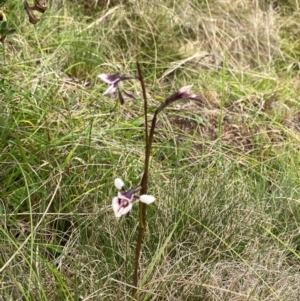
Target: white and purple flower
123, 203
185, 93
115, 85
182, 93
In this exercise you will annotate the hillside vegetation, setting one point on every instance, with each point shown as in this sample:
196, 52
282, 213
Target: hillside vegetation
224, 171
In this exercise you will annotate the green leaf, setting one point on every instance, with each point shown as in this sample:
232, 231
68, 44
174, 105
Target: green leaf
10, 31
3, 24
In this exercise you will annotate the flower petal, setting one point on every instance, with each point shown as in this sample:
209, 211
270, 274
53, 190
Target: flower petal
123, 210
147, 199
185, 93
119, 184
126, 195
110, 78
120, 209
111, 91
185, 89
115, 205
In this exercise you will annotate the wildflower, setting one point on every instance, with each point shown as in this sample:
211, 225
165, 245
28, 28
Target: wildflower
115, 85
123, 203
182, 93
185, 93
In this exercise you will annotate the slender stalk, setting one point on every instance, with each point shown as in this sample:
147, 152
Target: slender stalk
141, 79
138, 252
142, 206
183, 93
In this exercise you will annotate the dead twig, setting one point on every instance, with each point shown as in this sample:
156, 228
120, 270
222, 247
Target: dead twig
39, 5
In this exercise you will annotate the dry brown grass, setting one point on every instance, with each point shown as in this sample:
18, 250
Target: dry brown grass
229, 163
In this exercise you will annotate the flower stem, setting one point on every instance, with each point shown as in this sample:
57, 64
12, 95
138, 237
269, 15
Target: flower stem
141, 79
144, 182
181, 94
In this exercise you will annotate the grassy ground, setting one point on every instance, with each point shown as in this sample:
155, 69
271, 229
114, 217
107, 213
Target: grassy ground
225, 172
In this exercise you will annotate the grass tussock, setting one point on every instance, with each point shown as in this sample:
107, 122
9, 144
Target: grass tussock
224, 171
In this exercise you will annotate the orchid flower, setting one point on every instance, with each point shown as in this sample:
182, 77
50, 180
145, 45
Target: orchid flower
185, 93
182, 93
115, 85
123, 203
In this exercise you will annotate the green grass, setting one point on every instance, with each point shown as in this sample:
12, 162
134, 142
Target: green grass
225, 172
